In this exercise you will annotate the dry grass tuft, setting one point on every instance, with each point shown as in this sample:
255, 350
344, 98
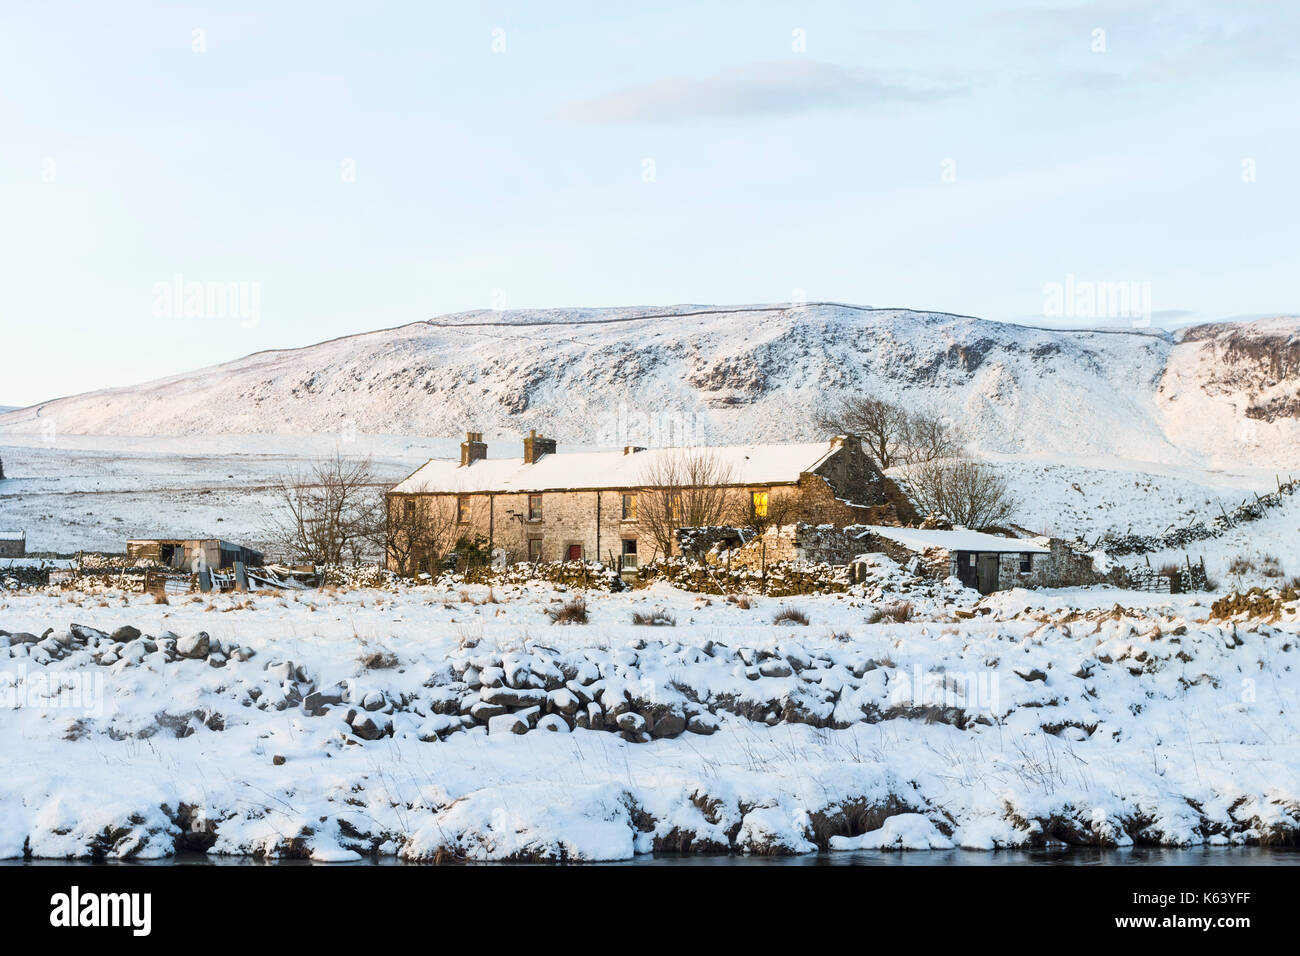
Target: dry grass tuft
656, 618
379, 660
791, 615
573, 611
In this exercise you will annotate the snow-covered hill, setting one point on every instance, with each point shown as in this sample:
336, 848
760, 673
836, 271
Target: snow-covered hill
1208, 395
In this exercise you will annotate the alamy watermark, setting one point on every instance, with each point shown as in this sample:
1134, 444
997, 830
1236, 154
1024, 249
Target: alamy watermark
38, 690
970, 691
650, 428
182, 299
1088, 299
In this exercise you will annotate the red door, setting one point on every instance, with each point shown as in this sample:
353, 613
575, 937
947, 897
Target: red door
575, 552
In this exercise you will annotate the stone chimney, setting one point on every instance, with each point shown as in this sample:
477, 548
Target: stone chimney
632, 449
472, 449
535, 446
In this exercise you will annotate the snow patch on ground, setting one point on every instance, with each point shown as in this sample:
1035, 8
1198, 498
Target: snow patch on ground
1147, 723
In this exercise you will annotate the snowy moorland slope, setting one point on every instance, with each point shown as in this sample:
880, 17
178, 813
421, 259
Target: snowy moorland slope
445, 723
1205, 395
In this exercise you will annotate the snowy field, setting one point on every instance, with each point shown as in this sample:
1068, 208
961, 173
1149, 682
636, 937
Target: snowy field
445, 724
89, 493
438, 723
93, 492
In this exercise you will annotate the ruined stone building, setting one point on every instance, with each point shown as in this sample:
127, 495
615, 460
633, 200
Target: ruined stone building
621, 507
13, 544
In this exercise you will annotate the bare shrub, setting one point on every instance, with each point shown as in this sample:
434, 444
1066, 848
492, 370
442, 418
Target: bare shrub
965, 491
330, 512
1271, 567
656, 618
1241, 565
791, 615
898, 613
573, 611
419, 533
379, 660
741, 601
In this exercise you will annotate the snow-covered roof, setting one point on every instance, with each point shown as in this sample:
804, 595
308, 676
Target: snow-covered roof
743, 465
918, 539
12, 535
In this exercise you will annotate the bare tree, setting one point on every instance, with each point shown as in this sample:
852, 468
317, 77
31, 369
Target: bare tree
419, 532
328, 512
929, 437
881, 425
684, 488
964, 491
892, 434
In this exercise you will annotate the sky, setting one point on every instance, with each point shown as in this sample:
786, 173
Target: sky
182, 184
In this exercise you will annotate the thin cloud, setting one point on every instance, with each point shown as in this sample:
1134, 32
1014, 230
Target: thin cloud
779, 87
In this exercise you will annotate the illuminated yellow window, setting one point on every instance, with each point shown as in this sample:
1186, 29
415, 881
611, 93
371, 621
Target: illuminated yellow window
758, 501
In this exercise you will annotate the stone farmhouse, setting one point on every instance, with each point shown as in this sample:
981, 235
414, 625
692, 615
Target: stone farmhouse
622, 507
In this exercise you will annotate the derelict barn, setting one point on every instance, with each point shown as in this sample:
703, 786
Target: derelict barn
981, 561
13, 544
191, 553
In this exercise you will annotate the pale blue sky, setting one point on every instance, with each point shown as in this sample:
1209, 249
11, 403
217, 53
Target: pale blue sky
127, 158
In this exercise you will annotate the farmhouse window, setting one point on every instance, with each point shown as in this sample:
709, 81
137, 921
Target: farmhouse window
462, 508
1026, 562
758, 502
534, 549
629, 507
629, 553
534, 507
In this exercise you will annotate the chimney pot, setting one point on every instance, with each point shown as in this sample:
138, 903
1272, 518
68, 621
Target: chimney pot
535, 446
472, 449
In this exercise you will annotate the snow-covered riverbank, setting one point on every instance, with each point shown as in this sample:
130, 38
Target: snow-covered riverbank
389, 722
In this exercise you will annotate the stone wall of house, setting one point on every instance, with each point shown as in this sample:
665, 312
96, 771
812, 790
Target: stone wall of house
851, 474
820, 504
1063, 567
807, 543
846, 489
591, 520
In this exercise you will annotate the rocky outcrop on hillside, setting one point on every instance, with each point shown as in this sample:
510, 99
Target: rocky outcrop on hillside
737, 374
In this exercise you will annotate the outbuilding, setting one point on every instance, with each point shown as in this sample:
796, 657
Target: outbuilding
13, 544
982, 561
191, 553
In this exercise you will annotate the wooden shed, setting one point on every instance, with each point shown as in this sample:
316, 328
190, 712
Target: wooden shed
192, 553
